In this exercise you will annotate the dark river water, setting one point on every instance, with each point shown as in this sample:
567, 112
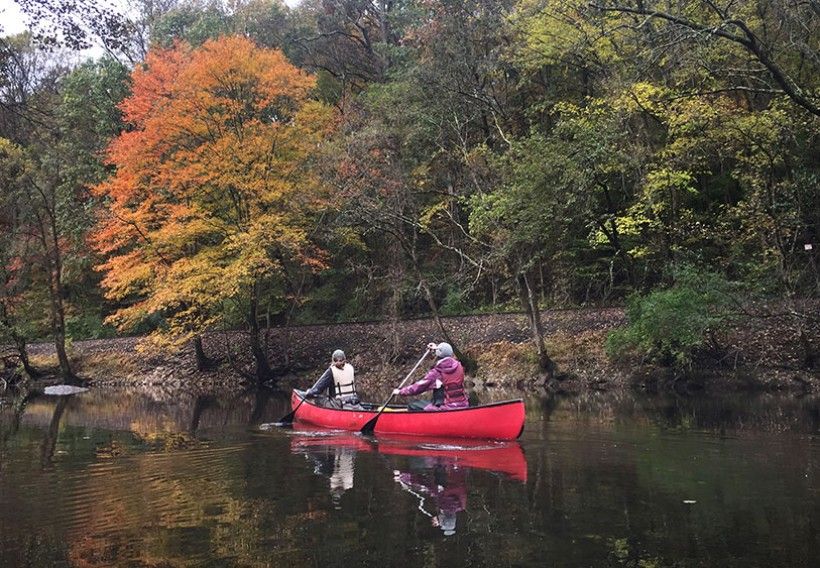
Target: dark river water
122, 478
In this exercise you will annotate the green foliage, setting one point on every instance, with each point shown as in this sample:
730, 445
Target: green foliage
668, 325
193, 24
87, 326
454, 303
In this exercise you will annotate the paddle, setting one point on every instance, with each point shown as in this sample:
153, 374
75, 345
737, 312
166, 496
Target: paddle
287, 420
371, 424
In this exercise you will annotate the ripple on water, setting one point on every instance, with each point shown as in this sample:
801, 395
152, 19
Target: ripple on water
126, 493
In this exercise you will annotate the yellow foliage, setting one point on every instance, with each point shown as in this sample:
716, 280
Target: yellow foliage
212, 192
556, 33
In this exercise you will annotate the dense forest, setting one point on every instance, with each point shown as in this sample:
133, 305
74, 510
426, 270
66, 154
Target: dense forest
246, 164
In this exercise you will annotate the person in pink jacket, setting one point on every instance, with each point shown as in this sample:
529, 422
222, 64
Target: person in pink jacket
445, 379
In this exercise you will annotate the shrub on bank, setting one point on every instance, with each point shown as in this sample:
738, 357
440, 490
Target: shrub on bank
667, 326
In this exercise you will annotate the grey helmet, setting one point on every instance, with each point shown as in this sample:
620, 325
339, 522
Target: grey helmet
444, 350
339, 355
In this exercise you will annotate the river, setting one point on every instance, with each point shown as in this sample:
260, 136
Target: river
166, 479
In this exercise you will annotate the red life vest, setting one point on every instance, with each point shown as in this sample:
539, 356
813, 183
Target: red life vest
453, 385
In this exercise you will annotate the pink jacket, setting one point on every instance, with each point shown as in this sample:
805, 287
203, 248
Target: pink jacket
447, 373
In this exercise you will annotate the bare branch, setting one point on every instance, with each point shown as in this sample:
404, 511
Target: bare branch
748, 40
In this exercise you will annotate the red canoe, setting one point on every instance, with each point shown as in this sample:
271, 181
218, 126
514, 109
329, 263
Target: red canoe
494, 421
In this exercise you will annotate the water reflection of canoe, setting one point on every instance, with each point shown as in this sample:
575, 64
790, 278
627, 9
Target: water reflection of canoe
500, 457
495, 421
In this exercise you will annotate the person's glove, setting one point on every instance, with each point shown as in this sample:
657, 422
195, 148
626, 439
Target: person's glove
432, 346
396, 392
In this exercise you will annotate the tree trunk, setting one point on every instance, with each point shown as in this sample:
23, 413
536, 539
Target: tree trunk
396, 275
51, 248
528, 302
470, 365
263, 369
428, 296
613, 235
203, 362
58, 324
260, 402
22, 352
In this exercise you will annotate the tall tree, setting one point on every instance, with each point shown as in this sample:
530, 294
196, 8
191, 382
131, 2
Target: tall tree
19, 309
212, 201
352, 42
36, 206
52, 162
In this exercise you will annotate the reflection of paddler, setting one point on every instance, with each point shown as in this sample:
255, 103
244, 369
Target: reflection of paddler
342, 477
337, 465
446, 486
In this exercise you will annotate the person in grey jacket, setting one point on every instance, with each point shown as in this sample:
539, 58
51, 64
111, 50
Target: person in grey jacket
340, 383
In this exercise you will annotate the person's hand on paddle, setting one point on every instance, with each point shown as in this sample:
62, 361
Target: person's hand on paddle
432, 346
396, 392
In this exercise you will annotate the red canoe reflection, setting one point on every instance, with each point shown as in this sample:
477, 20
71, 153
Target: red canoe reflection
501, 457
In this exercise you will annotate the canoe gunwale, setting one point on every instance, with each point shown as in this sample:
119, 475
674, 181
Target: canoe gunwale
376, 406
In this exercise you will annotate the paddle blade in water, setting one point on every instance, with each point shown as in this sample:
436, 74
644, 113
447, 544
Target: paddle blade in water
287, 420
370, 425
284, 423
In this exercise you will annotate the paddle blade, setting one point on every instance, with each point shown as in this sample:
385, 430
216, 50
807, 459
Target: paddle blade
286, 421
370, 426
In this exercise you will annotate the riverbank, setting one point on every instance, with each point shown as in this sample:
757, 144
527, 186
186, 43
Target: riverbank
758, 353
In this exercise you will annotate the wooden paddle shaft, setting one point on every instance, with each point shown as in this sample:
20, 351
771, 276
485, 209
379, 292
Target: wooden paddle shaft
410, 374
370, 425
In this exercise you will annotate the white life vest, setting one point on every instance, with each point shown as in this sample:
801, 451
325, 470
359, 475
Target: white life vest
343, 380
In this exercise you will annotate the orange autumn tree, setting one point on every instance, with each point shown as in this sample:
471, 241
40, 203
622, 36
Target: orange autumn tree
213, 196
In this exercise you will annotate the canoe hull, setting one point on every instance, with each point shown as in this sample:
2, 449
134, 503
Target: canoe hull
496, 421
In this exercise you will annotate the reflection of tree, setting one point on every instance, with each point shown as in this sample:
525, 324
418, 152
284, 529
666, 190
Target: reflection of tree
18, 408
718, 413
202, 403
597, 489
148, 411
260, 402
445, 484
50, 440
